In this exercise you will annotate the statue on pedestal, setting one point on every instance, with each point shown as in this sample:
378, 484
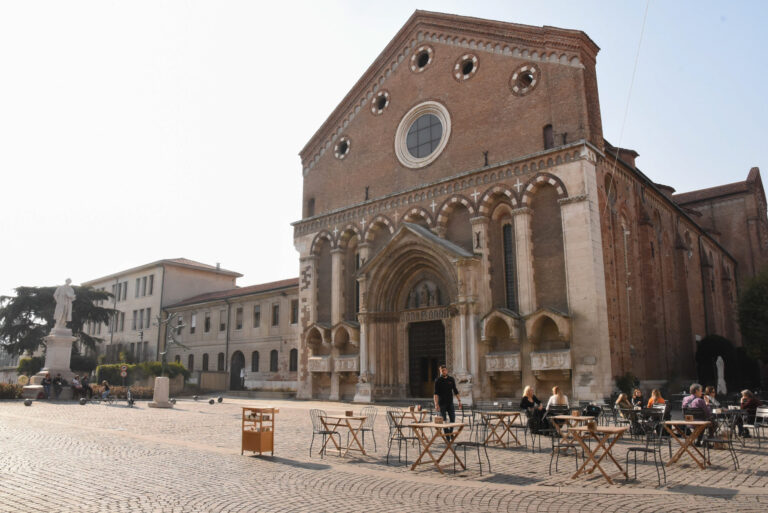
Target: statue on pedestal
64, 296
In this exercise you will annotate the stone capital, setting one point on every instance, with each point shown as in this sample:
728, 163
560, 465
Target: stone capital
522, 211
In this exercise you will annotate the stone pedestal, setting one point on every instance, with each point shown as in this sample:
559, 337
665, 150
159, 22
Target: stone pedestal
160, 397
57, 355
363, 393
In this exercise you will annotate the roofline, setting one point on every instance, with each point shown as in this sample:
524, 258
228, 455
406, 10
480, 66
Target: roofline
233, 295
680, 197
160, 263
470, 24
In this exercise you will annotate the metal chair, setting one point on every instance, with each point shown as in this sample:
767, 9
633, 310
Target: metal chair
369, 412
477, 439
397, 434
653, 444
559, 444
319, 429
759, 424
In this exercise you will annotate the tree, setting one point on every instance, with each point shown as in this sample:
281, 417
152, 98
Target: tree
25, 319
753, 316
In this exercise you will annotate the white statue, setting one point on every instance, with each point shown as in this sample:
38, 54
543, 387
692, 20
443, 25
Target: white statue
720, 364
64, 295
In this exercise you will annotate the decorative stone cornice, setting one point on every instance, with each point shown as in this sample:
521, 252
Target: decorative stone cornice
573, 199
522, 211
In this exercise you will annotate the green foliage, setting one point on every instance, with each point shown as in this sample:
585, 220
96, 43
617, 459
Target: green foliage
30, 366
626, 382
28, 317
82, 363
138, 371
9, 391
753, 316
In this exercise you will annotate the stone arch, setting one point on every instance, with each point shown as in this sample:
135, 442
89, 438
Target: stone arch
539, 180
449, 205
548, 331
492, 195
344, 340
379, 220
418, 212
323, 235
378, 232
346, 234
316, 340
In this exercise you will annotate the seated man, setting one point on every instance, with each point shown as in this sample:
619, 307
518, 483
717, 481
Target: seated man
695, 400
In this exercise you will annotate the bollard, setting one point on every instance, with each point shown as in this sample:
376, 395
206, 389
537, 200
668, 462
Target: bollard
83, 401
211, 402
27, 402
220, 399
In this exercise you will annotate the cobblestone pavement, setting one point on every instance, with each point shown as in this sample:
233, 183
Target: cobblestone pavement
105, 458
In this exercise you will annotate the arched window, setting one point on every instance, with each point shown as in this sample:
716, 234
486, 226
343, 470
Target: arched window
509, 266
255, 361
191, 362
293, 364
273, 360
177, 358
205, 362
220, 362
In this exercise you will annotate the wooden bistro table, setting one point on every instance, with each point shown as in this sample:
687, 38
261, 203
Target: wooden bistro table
503, 420
421, 428
569, 421
351, 422
676, 429
400, 417
601, 434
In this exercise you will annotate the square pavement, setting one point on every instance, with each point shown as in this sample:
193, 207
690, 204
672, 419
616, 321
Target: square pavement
62, 456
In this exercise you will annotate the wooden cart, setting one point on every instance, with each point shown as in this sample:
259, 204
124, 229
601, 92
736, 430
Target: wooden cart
259, 430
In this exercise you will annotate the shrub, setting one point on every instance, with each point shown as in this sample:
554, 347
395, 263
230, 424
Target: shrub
119, 392
139, 371
82, 363
30, 366
626, 382
10, 391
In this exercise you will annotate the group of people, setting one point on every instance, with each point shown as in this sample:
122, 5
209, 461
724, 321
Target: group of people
705, 400
57, 384
81, 386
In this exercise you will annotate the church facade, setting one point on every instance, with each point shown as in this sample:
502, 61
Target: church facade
461, 206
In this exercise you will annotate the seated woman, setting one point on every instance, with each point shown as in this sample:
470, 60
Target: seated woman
77, 387
531, 404
105, 391
558, 398
622, 402
710, 397
749, 403
637, 398
655, 398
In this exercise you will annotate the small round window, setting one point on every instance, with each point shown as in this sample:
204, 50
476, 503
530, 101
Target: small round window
342, 147
379, 103
466, 67
422, 58
524, 79
422, 134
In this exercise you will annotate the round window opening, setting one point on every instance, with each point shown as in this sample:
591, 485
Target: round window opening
467, 67
524, 79
342, 148
424, 136
423, 59
381, 102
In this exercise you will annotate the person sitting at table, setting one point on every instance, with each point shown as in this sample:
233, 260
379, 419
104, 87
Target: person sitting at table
558, 398
622, 402
637, 398
749, 403
532, 405
709, 397
655, 398
695, 400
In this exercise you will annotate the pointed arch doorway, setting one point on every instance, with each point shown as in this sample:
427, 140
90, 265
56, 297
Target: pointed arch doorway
238, 364
426, 352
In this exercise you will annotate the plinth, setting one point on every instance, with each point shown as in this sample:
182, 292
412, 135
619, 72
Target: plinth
57, 358
162, 391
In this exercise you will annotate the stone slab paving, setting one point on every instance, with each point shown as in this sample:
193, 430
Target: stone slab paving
110, 458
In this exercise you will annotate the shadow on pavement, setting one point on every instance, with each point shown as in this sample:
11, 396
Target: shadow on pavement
723, 493
292, 463
511, 479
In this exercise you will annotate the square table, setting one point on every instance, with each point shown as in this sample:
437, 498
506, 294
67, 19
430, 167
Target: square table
569, 421
676, 429
498, 419
420, 428
601, 434
345, 422
399, 417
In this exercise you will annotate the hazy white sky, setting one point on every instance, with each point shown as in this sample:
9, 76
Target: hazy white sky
139, 130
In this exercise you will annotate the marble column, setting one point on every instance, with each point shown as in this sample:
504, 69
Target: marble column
524, 257
337, 285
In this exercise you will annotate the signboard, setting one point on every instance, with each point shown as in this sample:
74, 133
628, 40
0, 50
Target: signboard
123, 373
124, 368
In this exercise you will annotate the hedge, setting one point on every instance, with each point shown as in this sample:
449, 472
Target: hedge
10, 391
138, 371
30, 366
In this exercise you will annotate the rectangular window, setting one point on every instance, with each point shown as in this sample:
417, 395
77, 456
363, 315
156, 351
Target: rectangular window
151, 283
141, 318
256, 316
125, 290
294, 311
122, 321
207, 326
222, 320
114, 290
119, 292
144, 286
275, 314
179, 322
149, 317
136, 292
133, 350
239, 318
135, 317
193, 323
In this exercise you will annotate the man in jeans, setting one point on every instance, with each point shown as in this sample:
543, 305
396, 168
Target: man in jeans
445, 389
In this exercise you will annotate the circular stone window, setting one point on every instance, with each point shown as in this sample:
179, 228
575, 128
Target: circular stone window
524, 79
422, 58
466, 67
422, 134
379, 103
342, 147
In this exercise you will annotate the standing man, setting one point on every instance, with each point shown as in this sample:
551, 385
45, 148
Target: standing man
445, 389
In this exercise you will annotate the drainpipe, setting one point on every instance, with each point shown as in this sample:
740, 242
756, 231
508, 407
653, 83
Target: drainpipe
160, 311
703, 288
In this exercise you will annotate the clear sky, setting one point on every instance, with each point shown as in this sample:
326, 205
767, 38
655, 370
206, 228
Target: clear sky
139, 130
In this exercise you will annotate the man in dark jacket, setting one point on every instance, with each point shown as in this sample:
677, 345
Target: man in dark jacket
445, 389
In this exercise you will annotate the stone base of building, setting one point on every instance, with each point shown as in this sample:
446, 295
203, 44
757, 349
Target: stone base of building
363, 393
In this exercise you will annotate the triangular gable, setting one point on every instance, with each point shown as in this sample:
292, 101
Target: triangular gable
446, 247
538, 43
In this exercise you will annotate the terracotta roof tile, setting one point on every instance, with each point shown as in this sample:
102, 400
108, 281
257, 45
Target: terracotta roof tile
237, 292
711, 192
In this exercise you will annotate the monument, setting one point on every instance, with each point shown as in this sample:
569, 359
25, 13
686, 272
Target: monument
58, 344
720, 365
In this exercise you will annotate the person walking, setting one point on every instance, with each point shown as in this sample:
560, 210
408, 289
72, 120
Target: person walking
445, 389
